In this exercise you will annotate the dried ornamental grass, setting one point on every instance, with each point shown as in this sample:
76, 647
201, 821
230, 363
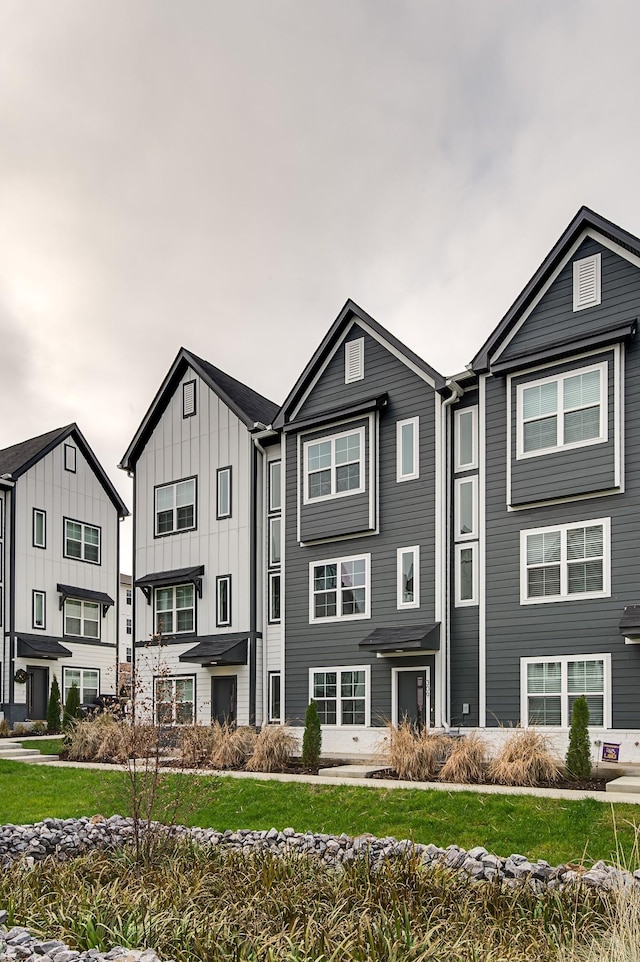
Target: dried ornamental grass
197, 743
415, 755
467, 762
525, 759
273, 750
232, 746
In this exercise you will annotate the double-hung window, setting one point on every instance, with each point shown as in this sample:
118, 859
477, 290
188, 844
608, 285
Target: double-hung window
81, 618
408, 577
334, 466
340, 588
175, 610
175, 508
551, 685
565, 562
341, 694
563, 411
81, 541
86, 680
175, 701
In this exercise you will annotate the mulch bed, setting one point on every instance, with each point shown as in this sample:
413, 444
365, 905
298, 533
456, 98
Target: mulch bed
595, 784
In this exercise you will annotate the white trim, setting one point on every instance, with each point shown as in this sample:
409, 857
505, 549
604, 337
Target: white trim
564, 660
618, 414
560, 379
414, 550
275, 562
332, 438
338, 669
482, 556
42, 623
411, 475
441, 550
394, 691
270, 618
173, 611
271, 718
593, 263
460, 535
321, 370
396, 353
277, 462
471, 412
569, 499
354, 360
563, 564
86, 606
461, 602
313, 620
220, 621
81, 686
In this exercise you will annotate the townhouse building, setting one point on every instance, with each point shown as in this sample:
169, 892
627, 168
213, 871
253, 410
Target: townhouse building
59, 545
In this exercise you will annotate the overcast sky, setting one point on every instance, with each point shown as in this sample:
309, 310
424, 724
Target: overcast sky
224, 175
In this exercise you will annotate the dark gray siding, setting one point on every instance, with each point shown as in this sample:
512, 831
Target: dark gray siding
562, 474
407, 517
554, 319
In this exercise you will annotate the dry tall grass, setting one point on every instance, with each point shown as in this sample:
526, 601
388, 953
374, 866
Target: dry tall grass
415, 755
272, 751
197, 744
232, 746
467, 762
524, 758
107, 739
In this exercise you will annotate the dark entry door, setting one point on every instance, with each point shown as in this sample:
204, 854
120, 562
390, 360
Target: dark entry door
223, 699
413, 697
37, 692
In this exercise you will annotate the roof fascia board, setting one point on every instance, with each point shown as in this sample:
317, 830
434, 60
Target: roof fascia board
401, 355
320, 371
47, 449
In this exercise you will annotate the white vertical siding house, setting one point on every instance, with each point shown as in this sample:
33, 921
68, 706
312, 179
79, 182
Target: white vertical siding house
59, 545
197, 568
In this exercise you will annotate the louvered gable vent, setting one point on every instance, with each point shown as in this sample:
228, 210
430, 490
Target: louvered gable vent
188, 399
354, 360
586, 282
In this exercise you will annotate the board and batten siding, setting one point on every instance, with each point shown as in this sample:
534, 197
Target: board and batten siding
406, 518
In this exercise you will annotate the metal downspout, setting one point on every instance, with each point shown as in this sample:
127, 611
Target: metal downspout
456, 394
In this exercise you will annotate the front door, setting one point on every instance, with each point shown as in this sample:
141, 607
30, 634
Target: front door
37, 693
413, 696
223, 699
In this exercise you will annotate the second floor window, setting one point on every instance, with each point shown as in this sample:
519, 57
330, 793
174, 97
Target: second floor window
334, 466
81, 618
340, 589
175, 610
565, 562
81, 541
176, 507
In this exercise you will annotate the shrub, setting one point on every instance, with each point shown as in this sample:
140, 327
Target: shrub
578, 759
272, 751
54, 708
312, 738
232, 745
524, 759
4, 728
71, 708
467, 762
197, 744
38, 727
20, 729
415, 755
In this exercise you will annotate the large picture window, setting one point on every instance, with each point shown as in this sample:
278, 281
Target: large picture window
341, 694
339, 588
551, 686
334, 466
562, 411
565, 562
175, 508
81, 618
175, 701
175, 610
81, 541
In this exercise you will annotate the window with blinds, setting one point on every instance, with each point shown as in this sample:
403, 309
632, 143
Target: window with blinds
552, 686
564, 563
587, 282
354, 360
563, 411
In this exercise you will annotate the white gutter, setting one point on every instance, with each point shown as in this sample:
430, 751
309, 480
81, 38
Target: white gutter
456, 393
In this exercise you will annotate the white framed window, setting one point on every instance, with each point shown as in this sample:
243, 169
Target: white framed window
334, 466
275, 701
408, 577
175, 610
39, 528
70, 458
275, 551
568, 562
175, 700
587, 274
86, 680
342, 695
275, 485
466, 508
129, 596
81, 541
466, 574
223, 600
354, 360
407, 449
340, 588
274, 597
39, 609
129, 655
466, 435
549, 686
81, 618
175, 507
129, 626
562, 412
223, 493
188, 399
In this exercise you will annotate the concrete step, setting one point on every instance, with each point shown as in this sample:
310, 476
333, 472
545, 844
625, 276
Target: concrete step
351, 771
628, 784
35, 759
17, 752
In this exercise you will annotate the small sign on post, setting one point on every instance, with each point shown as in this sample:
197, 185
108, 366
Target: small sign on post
610, 752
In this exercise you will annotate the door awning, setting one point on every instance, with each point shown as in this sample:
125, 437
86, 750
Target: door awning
85, 594
178, 576
214, 650
418, 638
41, 646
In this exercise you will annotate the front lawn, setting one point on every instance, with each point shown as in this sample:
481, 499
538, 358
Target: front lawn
46, 744
556, 830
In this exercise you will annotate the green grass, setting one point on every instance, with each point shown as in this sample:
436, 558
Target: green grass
46, 745
556, 830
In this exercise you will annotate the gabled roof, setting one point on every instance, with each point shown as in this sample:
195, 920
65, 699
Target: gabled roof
252, 408
584, 220
352, 312
18, 458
